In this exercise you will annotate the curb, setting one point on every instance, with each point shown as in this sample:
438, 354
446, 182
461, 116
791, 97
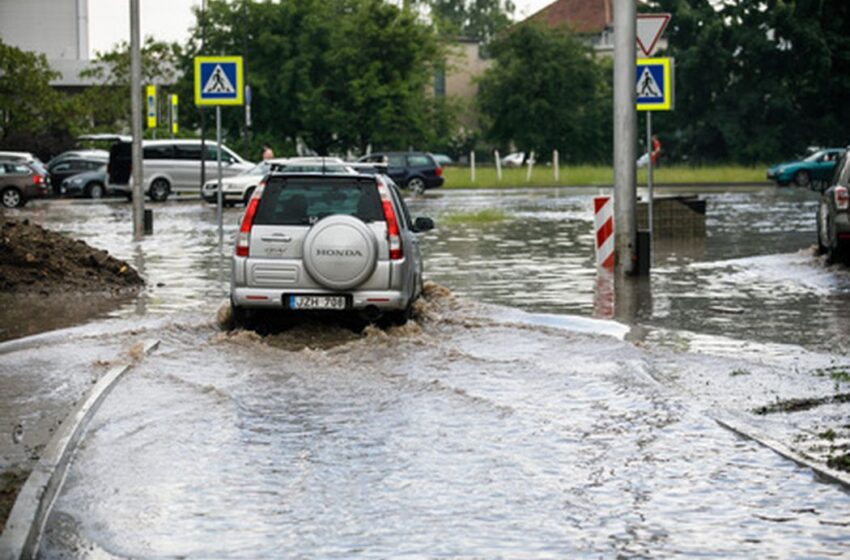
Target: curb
746, 430
25, 526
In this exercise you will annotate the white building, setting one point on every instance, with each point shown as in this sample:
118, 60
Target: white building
59, 29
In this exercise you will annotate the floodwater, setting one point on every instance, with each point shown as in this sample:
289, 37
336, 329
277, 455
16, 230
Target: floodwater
504, 422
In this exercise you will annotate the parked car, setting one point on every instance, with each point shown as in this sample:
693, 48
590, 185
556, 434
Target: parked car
239, 188
331, 242
514, 159
27, 157
170, 166
416, 171
20, 182
91, 184
819, 166
70, 164
833, 215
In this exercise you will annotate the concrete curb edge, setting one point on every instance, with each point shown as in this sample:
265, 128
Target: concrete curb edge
25, 526
744, 429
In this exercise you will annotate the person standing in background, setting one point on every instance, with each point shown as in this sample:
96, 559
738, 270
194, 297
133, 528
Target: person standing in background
267, 152
656, 150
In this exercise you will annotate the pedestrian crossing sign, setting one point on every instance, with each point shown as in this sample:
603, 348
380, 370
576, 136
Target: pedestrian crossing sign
654, 84
218, 80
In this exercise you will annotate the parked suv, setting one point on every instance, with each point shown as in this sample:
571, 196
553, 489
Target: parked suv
170, 166
416, 171
833, 215
338, 242
20, 182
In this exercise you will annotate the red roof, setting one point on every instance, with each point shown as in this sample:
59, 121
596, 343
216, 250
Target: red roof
583, 16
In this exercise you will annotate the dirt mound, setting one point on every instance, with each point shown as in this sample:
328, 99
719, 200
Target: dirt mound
33, 259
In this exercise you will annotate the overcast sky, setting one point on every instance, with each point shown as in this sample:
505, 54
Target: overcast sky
169, 20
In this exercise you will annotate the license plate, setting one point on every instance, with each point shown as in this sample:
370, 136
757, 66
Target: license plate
317, 302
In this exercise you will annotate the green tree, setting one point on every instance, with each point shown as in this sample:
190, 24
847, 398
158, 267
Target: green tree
339, 75
33, 115
757, 80
475, 19
546, 91
107, 105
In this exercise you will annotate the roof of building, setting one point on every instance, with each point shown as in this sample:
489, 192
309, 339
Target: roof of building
583, 16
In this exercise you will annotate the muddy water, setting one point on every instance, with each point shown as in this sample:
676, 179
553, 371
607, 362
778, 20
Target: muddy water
459, 435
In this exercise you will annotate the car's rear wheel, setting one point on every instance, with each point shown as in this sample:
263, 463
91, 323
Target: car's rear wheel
95, 190
802, 178
416, 184
835, 252
11, 198
159, 190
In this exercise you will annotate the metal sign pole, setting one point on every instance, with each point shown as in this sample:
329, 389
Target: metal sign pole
649, 170
136, 106
625, 137
220, 189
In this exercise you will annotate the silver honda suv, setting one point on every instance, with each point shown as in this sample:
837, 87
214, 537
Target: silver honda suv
338, 242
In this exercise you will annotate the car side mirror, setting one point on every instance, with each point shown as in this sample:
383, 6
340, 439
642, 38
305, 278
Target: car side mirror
422, 224
231, 160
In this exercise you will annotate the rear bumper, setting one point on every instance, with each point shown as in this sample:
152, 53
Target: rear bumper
434, 182
265, 298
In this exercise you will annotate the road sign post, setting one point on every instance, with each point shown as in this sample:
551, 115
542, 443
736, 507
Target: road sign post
136, 122
625, 138
654, 89
219, 81
173, 114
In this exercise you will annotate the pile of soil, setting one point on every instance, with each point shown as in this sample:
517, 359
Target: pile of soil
33, 259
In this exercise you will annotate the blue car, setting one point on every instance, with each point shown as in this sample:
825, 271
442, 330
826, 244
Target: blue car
91, 184
818, 167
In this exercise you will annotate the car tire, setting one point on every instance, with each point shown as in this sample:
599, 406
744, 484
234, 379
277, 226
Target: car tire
416, 184
399, 318
802, 178
11, 197
248, 194
819, 221
95, 190
835, 252
159, 190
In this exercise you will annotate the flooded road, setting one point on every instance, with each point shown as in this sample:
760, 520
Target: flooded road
503, 422
461, 435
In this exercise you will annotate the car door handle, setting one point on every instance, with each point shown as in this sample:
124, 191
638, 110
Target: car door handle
277, 238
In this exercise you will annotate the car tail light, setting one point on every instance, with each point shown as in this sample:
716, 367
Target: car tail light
243, 238
393, 233
37, 179
842, 198
439, 171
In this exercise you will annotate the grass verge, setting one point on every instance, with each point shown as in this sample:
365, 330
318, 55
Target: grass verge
583, 175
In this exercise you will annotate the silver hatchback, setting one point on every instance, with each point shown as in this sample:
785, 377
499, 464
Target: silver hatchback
327, 242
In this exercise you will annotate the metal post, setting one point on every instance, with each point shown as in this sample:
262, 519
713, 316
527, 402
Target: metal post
203, 112
136, 109
556, 165
649, 171
220, 189
625, 137
472, 165
498, 165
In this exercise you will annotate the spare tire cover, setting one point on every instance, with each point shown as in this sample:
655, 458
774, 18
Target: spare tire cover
340, 252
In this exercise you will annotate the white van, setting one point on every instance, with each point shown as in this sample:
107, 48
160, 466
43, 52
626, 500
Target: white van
170, 167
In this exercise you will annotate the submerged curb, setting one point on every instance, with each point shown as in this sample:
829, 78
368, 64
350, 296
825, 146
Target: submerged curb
746, 430
25, 526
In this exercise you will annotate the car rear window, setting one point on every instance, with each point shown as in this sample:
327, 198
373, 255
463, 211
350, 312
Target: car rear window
420, 161
292, 201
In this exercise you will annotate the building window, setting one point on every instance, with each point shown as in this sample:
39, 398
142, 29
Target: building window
440, 83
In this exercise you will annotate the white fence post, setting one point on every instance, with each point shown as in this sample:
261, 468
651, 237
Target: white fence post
472, 165
498, 165
530, 166
556, 166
